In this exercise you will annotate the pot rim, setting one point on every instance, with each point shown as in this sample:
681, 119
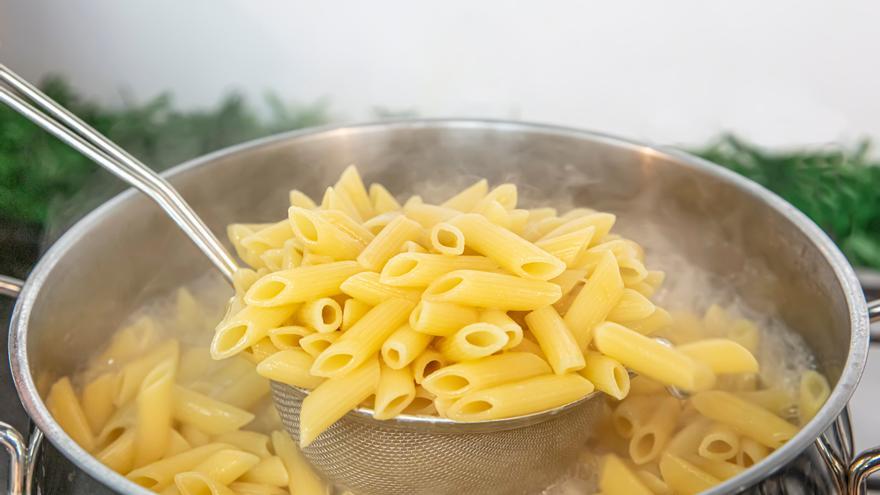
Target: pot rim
840, 395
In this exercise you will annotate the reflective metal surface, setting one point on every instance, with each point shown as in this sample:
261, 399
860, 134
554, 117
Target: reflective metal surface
110, 262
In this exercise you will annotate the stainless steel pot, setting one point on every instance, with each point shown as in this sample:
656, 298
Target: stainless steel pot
127, 251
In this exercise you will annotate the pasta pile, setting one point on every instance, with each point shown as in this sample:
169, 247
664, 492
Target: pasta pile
161, 412
472, 310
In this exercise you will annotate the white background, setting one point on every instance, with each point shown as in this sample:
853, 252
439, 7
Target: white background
782, 73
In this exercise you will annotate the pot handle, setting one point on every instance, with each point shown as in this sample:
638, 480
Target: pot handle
868, 462
21, 454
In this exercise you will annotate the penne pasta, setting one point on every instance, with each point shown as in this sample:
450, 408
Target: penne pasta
403, 347
631, 306
242, 488
651, 436
194, 483
812, 394
395, 391
751, 452
227, 465
352, 187
683, 477
601, 222
334, 200
157, 475
568, 247
246, 328
388, 242
459, 379
290, 366
474, 341
748, 419
556, 340
366, 287
492, 290
505, 194
518, 398
118, 455
247, 441
608, 375
352, 311
268, 471
428, 215
303, 479
500, 319
288, 337
298, 198
723, 470
132, 374
631, 414
382, 200
427, 363
594, 302
324, 315
97, 400
420, 269
154, 405
468, 198
207, 414
615, 478
719, 443
301, 284
317, 343
321, 236
447, 239
721, 355
67, 411
441, 319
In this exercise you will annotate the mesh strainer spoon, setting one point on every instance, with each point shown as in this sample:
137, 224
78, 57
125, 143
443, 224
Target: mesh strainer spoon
405, 455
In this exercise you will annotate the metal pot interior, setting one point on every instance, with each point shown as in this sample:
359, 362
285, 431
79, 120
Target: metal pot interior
126, 252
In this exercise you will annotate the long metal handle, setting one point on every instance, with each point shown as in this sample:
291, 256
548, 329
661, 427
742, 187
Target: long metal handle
868, 462
104, 152
10, 438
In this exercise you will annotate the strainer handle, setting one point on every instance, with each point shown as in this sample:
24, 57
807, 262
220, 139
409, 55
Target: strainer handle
868, 462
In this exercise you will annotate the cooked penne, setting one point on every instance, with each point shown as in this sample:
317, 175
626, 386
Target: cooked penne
651, 436
568, 247
651, 358
505, 194
379, 222
272, 236
97, 400
366, 287
510, 251
474, 341
631, 414
404, 346
492, 290
395, 391
447, 239
813, 392
248, 441
303, 479
495, 213
209, 415
632, 271
615, 478
132, 374
719, 443
324, 314
657, 322
194, 483
556, 340
569, 279
352, 311
412, 247
500, 319
531, 347
363, 340
288, 337
748, 419
317, 343
428, 215
290, 366
722, 470
334, 200
301, 284
298, 198
237, 232
420, 269
468, 198
751, 452
154, 403
160, 474
683, 477
227, 465
518, 398
118, 455
459, 379
269, 471
780, 402
67, 411
427, 363
603, 290
242, 488
382, 200
323, 237
606, 374
721, 355
352, 187
388, 243
246, 328
601, 222
632, 306
441, 319
336, 396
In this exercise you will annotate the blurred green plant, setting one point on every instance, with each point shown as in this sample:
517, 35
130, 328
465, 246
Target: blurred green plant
838, 188
36, 168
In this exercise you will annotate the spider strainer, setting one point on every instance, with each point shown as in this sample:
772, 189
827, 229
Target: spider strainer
429, 455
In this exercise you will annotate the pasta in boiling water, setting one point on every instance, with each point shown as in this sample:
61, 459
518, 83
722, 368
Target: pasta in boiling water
472, 309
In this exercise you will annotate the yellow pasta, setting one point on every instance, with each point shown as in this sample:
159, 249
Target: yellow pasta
272, 236
601, 222
468, 198
651, 435
194, 483
388, 243
317, 343
721, 355
601, 293
403, 347
209, 415
118, 455
159, 474
333, 398
651, 358
683, 477
492, 290
474, 341
132, 374
441, 319
427, 363
556, 340
505, 194
424, 403
748, 419
447, 239
751, 452
321, 236
288, 337
248, 441
510, 251
154, 413
242, 488
301, 284
420, 269
428, 215
352, 311
67, 411
568, 247
518, 398
290, 366
227, 465
501, 319
395, 391
246, 328
745, 333
303, 479
366, 287
352, 187
615, 478
237, 232
722, 470
269, 471
719, 443
494, 212
779, 401
632, 306
298, 198
813, 392
657, 322
334, 200
97, 400
379, 222
608, 375
631, 414
324, 314
382, 200
459, 379
363, 340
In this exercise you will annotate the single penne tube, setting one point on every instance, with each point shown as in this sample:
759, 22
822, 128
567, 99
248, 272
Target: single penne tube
599, 296
420, 269
272, 236
531, 347
557, 342
388, 242
656, 322
363, 340
366, 287
227, 465
492, 290
751, 452
505, 194
812, 394
723, 470
333, 200
288, 337
631, 414
538, 214
247, 327
683, 477
317, 343
650, 438
428, 215
606, 374
209, 415
118, 455
67, 411
601, 222
447, 239
352, 311
303, 478
260, 350
687, 440
268, 471
459, 379
615, 478
156, 476
441, 319
423, 404
299, 198
249, 441
569, 279
654, 482
721, 355
403, 347
132, 374
719, 443
352, 187
648, 357
631, 306
195, 483
193, 435
321, 236
474, 341
632, 271
539, 228
335, 397
412, 247
501, 319
349, 225
379, 222
301, 284
290, 366
568, 247
97, 400
383, 201
745, 333
427, 363
395, 391
779, 401
237, 232
129, 342
746, 418
495, 213
518, 218
324, 314
154, 404
509, 250
518, 398
467, 198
